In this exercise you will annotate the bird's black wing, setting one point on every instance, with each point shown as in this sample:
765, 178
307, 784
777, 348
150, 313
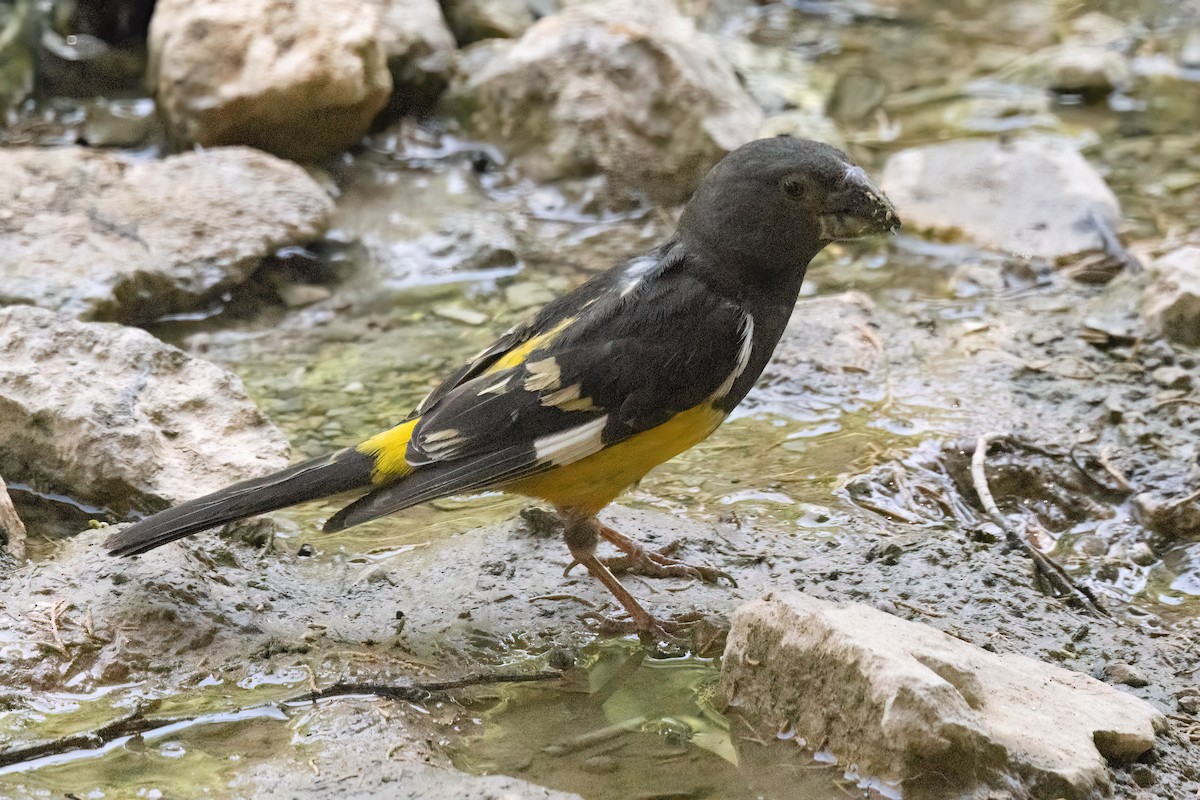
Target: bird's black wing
632, 357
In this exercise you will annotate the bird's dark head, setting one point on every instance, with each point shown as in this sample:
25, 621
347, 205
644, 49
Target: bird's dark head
774, 203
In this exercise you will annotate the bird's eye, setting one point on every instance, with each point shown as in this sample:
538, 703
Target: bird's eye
793, 186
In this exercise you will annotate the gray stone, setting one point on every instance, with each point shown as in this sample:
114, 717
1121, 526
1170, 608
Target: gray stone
12, 530
1171, 304
420, 49
625, 89
1174, 518
475, 20
96, 237
111, 416
302, 80
1031, 197
1074, 68
1125, 673
904, 701
1172, 377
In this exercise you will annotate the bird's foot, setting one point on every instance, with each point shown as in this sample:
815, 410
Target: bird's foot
697, 632
659, 563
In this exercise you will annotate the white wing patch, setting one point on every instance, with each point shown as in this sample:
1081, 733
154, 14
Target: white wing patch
637, 271
743, 357
568, 399
498, 387
572, 444
442, 444
543, 374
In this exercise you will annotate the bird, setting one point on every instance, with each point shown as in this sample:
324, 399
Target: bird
578, 402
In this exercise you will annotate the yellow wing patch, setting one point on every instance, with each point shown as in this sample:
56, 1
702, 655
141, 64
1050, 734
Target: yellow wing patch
518, 354
388, 449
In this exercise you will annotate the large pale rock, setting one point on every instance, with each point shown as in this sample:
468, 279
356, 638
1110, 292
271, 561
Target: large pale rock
93, 236
624, 88
111, 416
1031, 197
298, 78
12, 530
420, 49
908, 703
1172, 302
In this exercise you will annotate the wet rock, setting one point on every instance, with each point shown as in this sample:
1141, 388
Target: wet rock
1032, 197
113, 417
1175, 518
12, 530
1125, 673
92, 236
626, 89
302, 80
914, 702
420, 50
1072, 69
1171, 304
475, 20
803, 125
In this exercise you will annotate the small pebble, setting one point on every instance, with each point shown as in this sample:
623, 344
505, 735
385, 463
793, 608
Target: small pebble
1172, 377
1141, 554
1142, 775
1189, 704
527, 294
305, 550
1121, 672
467, 316
295, 295
599, 765
561, 658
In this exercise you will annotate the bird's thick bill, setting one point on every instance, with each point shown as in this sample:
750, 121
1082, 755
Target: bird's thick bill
859, 209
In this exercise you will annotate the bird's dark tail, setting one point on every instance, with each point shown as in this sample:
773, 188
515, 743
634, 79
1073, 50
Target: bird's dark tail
319, 477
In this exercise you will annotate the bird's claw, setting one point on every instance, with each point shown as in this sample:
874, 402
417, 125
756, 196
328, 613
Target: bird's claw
660, 564
695, 631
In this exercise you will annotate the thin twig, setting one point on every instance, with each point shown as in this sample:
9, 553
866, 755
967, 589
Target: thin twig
421, 691
1183, 501
137, 723
1043, 564
1190, 401
1111, 469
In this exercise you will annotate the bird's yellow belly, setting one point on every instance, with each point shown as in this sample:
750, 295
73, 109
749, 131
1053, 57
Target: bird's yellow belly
591, 483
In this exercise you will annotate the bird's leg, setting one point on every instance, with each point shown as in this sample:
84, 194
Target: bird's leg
582, 535
655, 564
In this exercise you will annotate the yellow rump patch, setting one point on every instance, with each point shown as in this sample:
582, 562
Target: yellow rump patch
591, 483
389, 448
